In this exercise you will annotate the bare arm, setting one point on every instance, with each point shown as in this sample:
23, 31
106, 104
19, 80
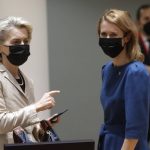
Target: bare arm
148, 68
129, 144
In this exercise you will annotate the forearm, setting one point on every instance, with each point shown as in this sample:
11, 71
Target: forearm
129, 144
23, 117
148, 68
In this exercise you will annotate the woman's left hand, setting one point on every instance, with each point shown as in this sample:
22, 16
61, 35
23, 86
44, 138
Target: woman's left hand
53, 119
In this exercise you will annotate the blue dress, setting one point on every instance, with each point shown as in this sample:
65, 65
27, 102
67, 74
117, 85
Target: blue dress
125, 100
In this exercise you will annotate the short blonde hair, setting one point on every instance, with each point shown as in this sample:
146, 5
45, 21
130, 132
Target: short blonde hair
6, 24
122, 19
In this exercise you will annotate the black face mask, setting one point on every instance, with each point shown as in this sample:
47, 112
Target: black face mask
146, 28
18, 54
111, 46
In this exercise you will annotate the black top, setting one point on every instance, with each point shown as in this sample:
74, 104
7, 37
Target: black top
21, 82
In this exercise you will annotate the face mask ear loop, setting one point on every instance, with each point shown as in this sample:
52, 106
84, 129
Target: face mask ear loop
123, 43
127, 36
6, 45
3, 48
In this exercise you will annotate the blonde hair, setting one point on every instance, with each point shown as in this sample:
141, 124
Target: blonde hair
8, 23
122, 19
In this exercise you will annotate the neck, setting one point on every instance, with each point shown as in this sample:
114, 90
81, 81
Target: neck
121, 59
14, 70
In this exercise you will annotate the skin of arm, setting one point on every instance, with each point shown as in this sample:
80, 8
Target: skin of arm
148, 68
129, 144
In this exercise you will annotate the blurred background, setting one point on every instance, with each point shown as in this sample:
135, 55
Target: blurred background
65, 56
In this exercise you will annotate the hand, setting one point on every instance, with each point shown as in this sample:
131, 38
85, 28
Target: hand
54, 121
47, 101
45, 123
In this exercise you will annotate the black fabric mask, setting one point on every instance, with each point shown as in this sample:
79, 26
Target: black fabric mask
146, 28
18, 54
111, 46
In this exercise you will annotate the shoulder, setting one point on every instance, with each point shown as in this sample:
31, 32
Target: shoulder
2, 72
137, 67
107, 65
137, 70
105, 69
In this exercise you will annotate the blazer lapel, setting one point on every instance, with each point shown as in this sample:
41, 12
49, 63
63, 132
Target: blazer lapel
13, 81
9, 77
28, 86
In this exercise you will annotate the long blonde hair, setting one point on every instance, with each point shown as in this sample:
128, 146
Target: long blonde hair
122, 19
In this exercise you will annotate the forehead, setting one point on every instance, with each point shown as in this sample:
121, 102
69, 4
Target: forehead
145, 12
109, 27
17, 33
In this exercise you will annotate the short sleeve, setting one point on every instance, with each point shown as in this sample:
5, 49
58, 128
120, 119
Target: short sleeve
137, 88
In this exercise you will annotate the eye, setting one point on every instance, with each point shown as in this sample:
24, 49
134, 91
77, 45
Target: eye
26, 41
19, 41
113, 35
147, 18
110, 35
103, 34
16, 42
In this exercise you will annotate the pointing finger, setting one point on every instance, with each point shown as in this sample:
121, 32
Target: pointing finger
53, 93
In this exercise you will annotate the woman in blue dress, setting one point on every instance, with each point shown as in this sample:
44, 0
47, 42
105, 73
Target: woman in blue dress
125, 85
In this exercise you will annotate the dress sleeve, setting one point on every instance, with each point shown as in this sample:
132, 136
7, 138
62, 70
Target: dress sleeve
137, 88
102, 71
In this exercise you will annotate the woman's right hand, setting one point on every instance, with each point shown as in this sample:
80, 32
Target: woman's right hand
47, 101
